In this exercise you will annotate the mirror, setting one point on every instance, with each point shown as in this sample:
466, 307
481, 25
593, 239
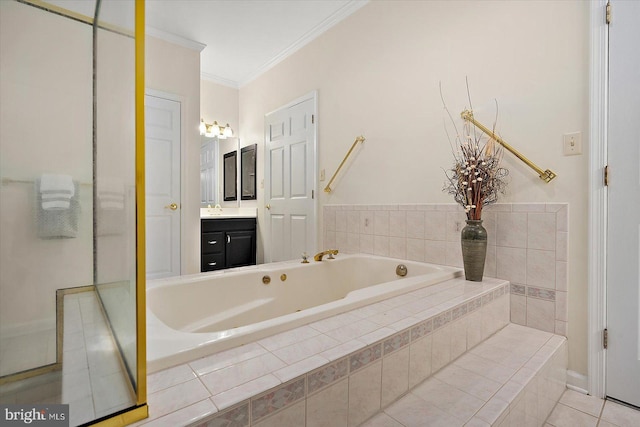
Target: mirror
230, 176
212, 166
248, 172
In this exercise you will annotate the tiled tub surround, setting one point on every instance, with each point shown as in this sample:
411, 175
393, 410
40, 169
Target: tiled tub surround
297, 294
337, 371
527, 245
515, 378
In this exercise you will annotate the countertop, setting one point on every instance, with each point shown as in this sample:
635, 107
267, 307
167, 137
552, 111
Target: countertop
226, 213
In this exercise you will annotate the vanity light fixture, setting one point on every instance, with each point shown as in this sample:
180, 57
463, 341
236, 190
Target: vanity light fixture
213, 130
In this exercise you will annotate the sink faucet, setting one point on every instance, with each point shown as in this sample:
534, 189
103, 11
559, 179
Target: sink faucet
330, 252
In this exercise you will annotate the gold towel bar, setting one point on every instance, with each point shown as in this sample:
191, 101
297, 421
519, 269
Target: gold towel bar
361, 138
546, 175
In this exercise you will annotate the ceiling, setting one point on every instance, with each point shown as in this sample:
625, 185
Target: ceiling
243, 38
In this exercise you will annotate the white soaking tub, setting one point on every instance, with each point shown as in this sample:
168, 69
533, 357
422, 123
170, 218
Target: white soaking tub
192, 316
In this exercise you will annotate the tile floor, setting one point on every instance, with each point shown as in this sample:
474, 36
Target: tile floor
92, 380
579, 410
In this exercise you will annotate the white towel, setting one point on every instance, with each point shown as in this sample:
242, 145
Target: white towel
56, 191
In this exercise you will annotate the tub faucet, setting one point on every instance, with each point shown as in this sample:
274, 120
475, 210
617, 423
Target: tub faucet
330, 252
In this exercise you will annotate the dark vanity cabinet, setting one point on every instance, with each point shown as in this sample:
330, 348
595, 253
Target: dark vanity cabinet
227, 243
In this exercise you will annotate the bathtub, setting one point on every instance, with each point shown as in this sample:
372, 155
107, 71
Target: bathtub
192, 316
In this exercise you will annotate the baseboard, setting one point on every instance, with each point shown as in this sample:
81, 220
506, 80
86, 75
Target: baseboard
577, 382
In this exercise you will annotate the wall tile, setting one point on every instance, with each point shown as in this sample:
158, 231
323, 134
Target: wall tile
341, 221
366, 243
541, 314
381, 223
327, 375
294, 415
415, 249
511, 230
366, 222
381, 245
435, 252
353, 242
341, 241
511, 264
329, 240
518, 309
490, 264
395, 376
561, 276
454, 254
365, 387
541, 268
435, 224
474, 328
562, 218
397, 224
458, 337
490, 223
365, 357
420, 360
236, 417
541, 231
415, 227
562, 312
329, 407
398, 247
456, 221
353, 222
529, 207
277, 399
562, 246
441, 348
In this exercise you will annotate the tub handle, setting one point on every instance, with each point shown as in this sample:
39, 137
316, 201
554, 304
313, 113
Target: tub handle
213, 263
213, 242
228, 239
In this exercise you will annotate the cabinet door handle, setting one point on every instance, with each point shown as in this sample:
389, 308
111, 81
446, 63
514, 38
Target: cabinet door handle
213, 263
228, 239
213, 242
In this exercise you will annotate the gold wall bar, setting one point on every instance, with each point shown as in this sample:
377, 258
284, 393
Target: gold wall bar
360, 138
546, 175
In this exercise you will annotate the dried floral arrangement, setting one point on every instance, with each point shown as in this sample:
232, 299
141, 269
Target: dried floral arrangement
476, 177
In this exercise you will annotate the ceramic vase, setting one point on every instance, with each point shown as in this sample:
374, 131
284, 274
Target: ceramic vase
474, 249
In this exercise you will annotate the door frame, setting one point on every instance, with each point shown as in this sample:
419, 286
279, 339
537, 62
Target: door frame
183, 155
597, 222
313, 95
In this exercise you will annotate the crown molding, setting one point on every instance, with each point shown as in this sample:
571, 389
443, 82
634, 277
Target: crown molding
219, 80
315, 32
172, 38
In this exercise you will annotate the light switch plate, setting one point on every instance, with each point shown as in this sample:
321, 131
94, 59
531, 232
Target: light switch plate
572, 143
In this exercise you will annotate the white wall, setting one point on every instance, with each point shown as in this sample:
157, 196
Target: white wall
377, 74
175, 70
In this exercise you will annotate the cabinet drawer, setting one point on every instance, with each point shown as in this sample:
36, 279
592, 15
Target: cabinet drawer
212, 243
212, 262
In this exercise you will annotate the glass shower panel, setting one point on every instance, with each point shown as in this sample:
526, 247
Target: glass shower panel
115, 174
46, 191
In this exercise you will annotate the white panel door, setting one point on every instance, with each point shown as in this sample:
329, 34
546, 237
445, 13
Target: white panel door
162, 179
623, 252
290, 167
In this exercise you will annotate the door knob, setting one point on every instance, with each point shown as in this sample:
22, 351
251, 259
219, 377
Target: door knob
172, 206
268, 206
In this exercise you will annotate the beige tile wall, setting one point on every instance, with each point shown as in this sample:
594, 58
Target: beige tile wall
527, 245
